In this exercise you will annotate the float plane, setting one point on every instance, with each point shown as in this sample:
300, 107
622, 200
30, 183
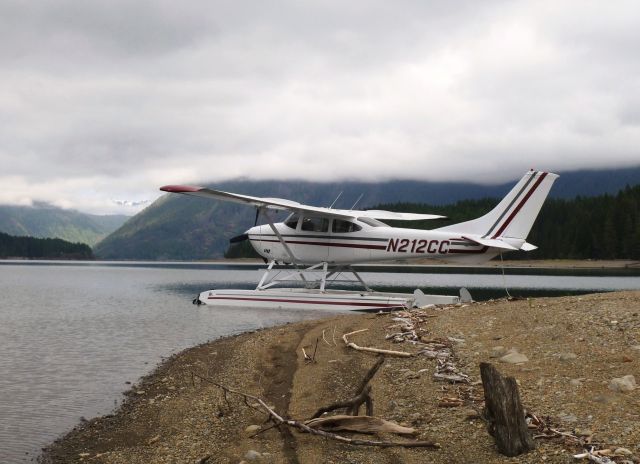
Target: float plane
326, 242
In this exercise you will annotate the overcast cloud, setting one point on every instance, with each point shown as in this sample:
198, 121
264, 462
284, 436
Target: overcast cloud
110, 99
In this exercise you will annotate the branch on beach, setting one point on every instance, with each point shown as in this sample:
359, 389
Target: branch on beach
305, 428
363, 395
350, 404
372, 350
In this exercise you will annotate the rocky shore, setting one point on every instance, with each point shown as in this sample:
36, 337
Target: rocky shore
576, 360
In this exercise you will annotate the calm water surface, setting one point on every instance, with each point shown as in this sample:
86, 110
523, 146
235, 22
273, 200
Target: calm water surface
72, 334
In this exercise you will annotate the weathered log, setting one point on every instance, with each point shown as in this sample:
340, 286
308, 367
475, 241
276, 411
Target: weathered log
503, 412
362, 424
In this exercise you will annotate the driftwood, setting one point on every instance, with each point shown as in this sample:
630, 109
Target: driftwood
372, 350
349, 404
599, 457
279, 420
363, 395
362, 424
504, 413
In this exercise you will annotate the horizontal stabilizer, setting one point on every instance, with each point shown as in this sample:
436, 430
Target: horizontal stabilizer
528, 247
490, 242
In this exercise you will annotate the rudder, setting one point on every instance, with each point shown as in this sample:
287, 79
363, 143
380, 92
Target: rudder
515, 214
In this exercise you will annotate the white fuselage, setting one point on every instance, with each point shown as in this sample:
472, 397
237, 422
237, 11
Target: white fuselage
368, 241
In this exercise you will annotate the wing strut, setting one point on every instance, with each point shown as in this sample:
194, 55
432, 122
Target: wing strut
267, 214
294, 260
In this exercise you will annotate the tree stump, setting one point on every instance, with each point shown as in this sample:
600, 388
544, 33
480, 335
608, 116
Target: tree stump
503, 412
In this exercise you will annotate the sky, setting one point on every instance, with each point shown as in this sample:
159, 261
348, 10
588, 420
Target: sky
104, 101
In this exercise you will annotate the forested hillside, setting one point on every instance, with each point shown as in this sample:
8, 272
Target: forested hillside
602, 227
46, 221
42, 248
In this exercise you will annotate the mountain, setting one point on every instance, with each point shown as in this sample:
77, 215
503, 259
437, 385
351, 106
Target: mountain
188, 228
46, 221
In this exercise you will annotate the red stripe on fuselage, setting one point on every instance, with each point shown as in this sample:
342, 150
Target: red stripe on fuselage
342, 245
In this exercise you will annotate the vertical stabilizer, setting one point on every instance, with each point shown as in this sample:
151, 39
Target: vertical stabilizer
515, 214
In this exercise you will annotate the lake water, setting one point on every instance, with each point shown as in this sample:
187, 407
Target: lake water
72, 334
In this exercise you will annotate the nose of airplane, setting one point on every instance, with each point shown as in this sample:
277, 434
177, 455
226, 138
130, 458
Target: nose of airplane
240, 238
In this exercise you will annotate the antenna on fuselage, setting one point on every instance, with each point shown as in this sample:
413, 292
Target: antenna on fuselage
359, 198
334, 201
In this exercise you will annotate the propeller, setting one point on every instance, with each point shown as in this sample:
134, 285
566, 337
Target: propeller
245, 236
239, 238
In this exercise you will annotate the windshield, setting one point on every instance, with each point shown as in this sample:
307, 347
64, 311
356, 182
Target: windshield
292, 221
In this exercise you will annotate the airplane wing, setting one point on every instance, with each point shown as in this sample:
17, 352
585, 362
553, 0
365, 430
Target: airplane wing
282, 204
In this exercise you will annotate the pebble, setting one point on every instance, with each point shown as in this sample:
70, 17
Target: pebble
411, 375
576, 383
252, 428
623, 384
513, 357
567, 356
497, 352
252, 455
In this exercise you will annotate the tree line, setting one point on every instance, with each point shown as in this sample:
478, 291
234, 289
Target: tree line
42, 248
601, 227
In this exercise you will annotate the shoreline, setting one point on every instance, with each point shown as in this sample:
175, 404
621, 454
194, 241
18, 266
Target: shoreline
542, 264
532, 263
574, 350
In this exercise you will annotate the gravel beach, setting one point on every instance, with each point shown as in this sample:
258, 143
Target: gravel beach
565, 353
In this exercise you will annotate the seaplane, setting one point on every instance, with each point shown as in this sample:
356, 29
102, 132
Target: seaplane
315, 248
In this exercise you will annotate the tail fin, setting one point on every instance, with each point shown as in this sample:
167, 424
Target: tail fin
515, 214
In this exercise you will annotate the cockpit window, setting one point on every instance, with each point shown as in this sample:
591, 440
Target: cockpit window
343, 227
292, 221
372, 222
315, 224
